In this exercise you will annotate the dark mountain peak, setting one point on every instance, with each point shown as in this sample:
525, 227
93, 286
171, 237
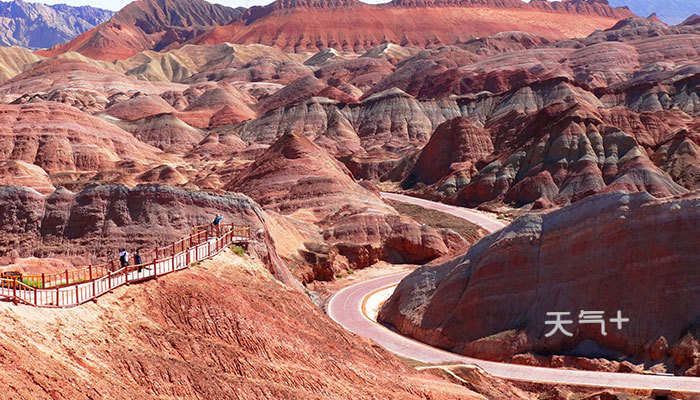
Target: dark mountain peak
654, 18
149, 25
37, 25
157, 15
632, 22
692, 20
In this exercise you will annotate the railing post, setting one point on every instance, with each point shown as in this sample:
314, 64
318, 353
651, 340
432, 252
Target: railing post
126, 274
58, 298
66, 277
155, 269
156, 252
43, 281
14, 288
173, 248
36, 302
94, 291
90, 270
110, 280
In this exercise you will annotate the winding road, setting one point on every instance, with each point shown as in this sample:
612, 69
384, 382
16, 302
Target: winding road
351, 308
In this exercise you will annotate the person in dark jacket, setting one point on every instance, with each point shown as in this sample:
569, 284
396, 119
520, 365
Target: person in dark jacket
137, 259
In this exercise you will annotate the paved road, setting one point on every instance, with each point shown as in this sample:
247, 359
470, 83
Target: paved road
486, 221
347, 308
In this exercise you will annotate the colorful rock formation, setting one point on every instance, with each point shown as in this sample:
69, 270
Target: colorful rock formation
597, 254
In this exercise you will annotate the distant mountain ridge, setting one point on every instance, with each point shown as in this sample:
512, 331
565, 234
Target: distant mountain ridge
669, 11
37, 25
303, 26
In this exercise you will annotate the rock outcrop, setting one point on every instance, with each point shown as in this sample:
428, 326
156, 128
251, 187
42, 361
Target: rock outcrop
579, 156
296, 178
598, 254
455, 146
166, 132
21, 173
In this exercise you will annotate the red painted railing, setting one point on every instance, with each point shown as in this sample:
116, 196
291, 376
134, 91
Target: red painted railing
72, 288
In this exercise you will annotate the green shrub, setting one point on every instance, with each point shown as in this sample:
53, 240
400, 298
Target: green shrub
240, 251
339, 276
350, 272
33, 283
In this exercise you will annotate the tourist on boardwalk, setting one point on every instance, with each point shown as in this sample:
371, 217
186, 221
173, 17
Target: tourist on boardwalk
123, 258
217, 221
137, 259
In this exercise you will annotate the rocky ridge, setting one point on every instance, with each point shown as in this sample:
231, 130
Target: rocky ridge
36, 25
326, 27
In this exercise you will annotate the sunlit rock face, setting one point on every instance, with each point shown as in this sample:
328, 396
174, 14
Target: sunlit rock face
597, 255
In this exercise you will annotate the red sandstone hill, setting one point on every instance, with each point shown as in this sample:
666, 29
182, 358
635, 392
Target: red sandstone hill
299, 180
59, 138
222, 330
600, 254
356, 27
350, 25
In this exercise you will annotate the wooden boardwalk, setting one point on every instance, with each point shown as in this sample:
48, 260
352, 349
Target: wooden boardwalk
73, 288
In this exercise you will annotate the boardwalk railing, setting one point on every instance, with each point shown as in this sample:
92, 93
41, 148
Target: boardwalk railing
72, 288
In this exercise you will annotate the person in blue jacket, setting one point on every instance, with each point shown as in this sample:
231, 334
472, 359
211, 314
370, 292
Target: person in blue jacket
217, 220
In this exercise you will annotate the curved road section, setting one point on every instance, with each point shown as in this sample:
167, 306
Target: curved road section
484, 220
348, 308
